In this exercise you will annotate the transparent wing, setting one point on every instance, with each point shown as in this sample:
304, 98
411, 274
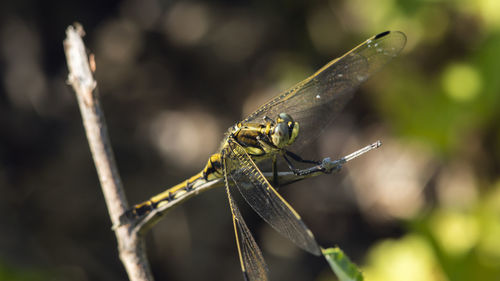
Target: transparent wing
252, 262
316, 101
264, 199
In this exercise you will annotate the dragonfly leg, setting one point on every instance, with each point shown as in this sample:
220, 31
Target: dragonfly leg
299, 159
275, 172
291, 167
304, 172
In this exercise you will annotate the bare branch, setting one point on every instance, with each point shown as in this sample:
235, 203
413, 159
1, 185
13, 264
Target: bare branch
130, 243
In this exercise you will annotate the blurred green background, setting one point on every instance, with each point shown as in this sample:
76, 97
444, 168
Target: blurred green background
173, 75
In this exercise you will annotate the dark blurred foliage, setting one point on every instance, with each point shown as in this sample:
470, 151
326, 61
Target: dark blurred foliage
173, 75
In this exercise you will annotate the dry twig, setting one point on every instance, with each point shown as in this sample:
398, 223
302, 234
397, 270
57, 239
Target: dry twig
130, 242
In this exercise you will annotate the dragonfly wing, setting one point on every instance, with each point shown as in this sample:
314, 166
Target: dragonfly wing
252, 262
316, 101
266, 201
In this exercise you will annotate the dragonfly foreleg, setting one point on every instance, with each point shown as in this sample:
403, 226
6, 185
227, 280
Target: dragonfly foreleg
299, 159
304, 172
275, 172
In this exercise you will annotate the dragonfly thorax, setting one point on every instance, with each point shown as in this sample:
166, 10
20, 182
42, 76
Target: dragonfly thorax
285, 131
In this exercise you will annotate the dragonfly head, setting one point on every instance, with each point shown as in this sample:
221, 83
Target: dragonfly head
285, 131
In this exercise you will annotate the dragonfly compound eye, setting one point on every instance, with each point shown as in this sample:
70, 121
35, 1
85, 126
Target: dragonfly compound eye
285, 131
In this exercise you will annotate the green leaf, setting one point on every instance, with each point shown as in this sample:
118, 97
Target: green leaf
341, 265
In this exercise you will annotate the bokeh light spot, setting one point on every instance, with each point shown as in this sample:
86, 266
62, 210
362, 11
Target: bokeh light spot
184, 137
187, 23
461, 82
235, 40
489, 12
410, 258
119, 41
455, 232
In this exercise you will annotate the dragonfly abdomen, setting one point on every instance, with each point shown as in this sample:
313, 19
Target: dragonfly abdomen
212, 171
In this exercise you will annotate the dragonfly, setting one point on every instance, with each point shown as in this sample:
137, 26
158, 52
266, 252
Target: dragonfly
288, 121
